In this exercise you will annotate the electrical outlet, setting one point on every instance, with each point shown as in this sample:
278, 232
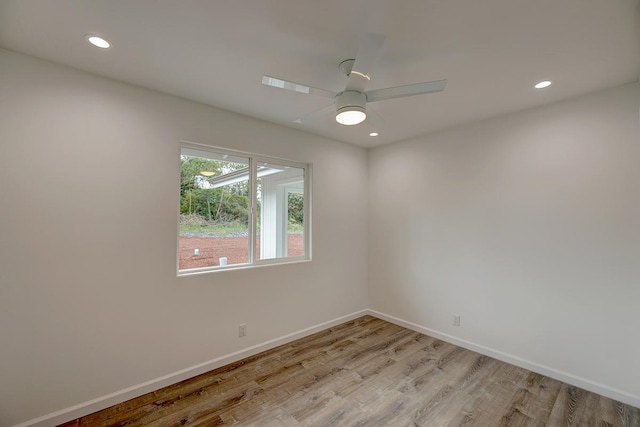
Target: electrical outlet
242, 330
456, 320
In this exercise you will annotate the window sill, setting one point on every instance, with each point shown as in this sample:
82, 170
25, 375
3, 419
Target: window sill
235, 267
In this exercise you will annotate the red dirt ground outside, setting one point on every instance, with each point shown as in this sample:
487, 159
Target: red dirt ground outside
236, 249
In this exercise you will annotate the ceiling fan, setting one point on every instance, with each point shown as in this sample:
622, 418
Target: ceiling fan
351, 103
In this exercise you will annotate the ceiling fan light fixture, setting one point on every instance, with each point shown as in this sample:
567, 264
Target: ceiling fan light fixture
350, 116
350, 107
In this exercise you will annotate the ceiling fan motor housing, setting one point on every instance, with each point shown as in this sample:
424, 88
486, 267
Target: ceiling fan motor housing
351, 100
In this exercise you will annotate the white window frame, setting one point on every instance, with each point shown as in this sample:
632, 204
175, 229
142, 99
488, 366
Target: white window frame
254, 258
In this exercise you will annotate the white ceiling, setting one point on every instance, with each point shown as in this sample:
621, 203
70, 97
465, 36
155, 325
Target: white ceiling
215, 52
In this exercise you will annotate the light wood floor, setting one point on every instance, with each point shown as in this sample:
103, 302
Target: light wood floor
368, 372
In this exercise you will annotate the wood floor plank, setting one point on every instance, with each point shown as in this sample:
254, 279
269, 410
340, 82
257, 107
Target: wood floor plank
627, 415
569, 404
367, 372
461, 372
336, 413
493, 404
411, 343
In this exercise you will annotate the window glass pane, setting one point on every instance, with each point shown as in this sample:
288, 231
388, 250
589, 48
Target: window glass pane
214, 209
280, 196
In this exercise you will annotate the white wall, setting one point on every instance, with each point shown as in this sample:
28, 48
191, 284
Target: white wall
89, 299
528, 226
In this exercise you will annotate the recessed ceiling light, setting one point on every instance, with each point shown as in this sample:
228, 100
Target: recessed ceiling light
374, 134
543, 84
97, 41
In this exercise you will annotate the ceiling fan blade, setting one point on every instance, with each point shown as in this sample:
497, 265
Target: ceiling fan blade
309, 117
374, 120
408, 90
368, 55
296, 87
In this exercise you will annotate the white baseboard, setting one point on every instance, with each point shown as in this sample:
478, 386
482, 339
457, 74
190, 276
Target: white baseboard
111, 399
566, 377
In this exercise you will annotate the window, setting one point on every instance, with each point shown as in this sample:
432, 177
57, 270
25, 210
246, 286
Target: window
239, 209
